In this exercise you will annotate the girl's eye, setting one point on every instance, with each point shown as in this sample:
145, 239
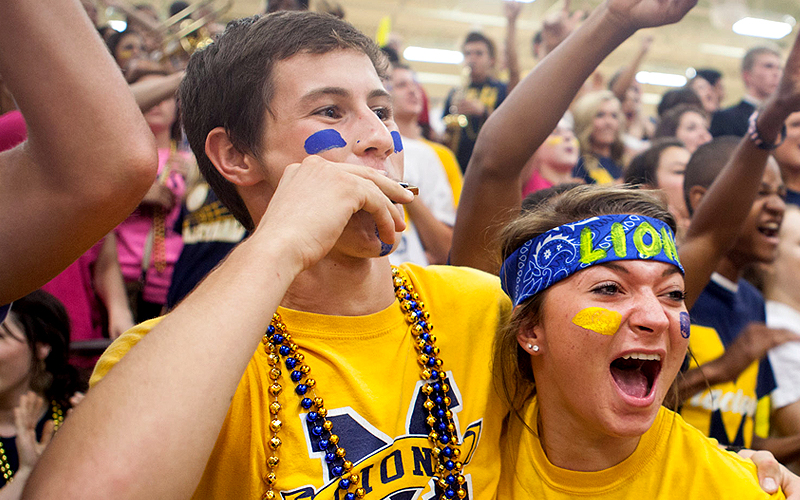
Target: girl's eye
606, 289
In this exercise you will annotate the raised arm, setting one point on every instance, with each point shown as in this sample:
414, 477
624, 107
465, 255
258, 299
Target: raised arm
628, 73
152, 91
89, 157
512, 9
735, 188
492, 188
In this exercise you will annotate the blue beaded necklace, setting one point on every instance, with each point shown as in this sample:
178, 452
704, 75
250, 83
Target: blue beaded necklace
281, 350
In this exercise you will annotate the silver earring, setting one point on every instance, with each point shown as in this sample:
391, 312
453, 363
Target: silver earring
530, 346
535, 348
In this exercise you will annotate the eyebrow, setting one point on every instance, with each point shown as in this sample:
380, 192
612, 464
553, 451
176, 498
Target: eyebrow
325, 91
672, 270
341, 92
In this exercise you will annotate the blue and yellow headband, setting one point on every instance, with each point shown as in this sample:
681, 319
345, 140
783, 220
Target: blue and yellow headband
562, 251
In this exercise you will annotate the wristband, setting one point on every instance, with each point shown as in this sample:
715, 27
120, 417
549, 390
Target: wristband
754, 135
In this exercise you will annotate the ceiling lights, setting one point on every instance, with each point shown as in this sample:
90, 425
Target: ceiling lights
753, 26
117, 25
441, 56
663, 79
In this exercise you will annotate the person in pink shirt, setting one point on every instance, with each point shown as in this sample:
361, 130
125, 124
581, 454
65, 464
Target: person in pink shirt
147, 243
553, 162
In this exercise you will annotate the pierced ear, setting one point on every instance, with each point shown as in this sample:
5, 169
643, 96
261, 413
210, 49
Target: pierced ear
237, 167
696, 194
528, 337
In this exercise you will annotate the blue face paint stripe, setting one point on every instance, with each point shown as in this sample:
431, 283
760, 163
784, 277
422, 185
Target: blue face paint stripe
323, 141
385, 247
398, 141
686, 325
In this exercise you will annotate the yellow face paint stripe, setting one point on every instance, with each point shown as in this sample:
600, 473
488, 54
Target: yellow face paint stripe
599, 320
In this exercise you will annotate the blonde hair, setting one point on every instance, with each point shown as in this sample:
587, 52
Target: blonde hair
584, 110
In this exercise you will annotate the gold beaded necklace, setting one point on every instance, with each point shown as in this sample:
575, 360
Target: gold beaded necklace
57, 416
278, 344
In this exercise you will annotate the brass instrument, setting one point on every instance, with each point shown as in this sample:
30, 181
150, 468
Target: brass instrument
191, 34
454, 121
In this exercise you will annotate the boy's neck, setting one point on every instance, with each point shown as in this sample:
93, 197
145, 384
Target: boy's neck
729, 269
343, 286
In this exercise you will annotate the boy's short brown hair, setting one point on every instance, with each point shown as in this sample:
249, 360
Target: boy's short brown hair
229, 84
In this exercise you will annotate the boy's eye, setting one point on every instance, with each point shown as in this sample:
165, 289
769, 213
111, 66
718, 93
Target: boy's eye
329, 112
383, 113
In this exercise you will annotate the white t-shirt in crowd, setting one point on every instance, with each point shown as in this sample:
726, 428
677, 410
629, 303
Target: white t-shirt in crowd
785, 358
424, 170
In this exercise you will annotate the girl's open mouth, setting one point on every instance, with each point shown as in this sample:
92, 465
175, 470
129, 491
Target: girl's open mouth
635, 374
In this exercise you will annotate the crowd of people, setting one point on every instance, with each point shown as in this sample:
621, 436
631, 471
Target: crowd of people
269, 228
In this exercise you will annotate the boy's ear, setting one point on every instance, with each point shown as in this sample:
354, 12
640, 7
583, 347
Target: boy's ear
240, 168
696, 194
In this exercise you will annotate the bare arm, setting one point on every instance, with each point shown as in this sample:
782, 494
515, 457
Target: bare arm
110, 287
492, 186
155, 399
152, 91
89, 157
750, 346
735, 188
512, 9
628, 74
785, 449
435, 235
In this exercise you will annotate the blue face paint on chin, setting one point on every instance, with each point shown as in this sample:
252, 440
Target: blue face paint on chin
385, 247
685, 325
323, 141
398, 141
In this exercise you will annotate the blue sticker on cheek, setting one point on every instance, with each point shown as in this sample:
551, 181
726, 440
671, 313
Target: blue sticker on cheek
398, 141
385, 247
323, 141
685, 325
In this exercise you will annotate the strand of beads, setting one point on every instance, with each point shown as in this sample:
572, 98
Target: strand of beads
5, 467
57, 415
449, 475
279, 346
274, 408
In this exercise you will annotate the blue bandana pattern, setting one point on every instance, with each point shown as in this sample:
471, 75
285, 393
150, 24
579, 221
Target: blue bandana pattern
562, 251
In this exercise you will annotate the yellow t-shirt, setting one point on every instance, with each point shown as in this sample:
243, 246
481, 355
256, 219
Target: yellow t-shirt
367, 372
672, 461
